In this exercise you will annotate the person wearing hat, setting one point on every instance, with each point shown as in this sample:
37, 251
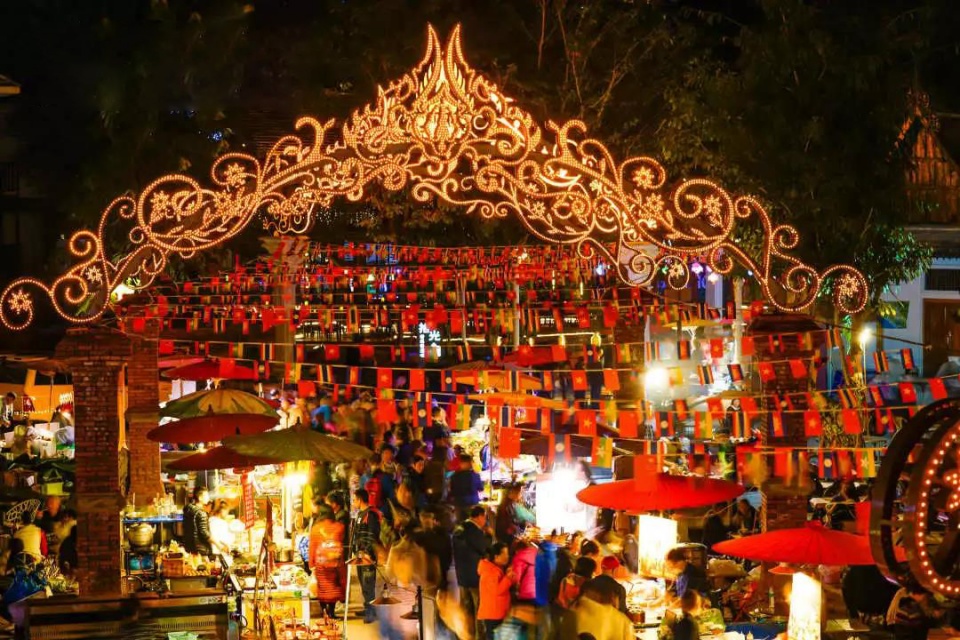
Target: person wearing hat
605, 582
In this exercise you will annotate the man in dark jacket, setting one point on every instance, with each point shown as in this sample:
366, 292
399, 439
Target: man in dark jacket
364, 543
465, 486
435, 540
608, 584
196, 524
471, 541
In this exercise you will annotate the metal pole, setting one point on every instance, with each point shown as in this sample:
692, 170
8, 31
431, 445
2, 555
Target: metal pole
516, 315
738, 322
420, 611
353, 528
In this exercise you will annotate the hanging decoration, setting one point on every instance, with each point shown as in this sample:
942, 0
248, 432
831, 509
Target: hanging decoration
421, 133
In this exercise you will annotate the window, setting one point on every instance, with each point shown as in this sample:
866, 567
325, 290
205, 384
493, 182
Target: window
45, 380
942, 280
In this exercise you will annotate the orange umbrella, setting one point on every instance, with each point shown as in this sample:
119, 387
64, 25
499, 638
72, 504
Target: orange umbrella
661, 492
217, 458
211, 370
811, 544
511, 399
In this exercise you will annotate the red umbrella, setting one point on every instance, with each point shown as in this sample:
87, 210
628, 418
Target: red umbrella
168, 362
811, 544
211, 370
660, 492
212, 428
217, 458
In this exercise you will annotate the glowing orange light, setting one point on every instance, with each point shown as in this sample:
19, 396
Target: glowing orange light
444, 131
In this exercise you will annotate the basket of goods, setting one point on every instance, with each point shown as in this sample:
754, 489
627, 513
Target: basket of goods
174, 565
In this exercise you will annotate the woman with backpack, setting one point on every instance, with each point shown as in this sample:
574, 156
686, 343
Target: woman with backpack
570, 586
326, 559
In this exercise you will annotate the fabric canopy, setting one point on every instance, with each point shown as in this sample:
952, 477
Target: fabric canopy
210, 416
211, 370
660, 492
212, 428
298, 443
810, 544
218, 402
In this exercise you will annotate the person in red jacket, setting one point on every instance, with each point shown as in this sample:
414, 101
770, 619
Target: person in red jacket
495, 583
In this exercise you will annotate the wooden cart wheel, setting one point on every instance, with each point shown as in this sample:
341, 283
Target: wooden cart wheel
915, 514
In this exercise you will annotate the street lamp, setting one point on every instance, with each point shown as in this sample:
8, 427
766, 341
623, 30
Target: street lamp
863, 337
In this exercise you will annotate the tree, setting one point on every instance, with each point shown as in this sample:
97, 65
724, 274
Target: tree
117, 93
799, 102
802, 103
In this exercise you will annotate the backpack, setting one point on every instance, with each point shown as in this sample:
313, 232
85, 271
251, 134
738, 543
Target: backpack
374, 489
328, 554
570, 590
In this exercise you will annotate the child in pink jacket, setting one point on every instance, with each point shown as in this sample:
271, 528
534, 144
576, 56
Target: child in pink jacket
524, 568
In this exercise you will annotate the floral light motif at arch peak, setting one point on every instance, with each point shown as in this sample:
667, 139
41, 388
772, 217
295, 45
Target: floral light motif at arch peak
443, 131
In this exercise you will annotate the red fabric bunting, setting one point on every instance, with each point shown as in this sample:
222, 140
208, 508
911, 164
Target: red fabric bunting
908, 394
937, 389
767, 372
798, 369
611, 379
509, 443
645, 467
418, 380
716, 347
579, 380
628, 423
587, 422
812, 423
851, 421
331, 352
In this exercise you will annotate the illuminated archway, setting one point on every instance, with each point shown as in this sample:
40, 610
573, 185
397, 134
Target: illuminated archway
444, 131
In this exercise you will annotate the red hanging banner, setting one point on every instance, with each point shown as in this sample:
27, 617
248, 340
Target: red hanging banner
249, 505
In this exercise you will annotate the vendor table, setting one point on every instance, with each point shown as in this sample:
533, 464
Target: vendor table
67, 617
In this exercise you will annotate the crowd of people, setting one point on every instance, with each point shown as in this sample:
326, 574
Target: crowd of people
412, 521
417, 519
40, 535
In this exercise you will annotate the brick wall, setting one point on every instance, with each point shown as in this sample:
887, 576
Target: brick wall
96, 358
143, 398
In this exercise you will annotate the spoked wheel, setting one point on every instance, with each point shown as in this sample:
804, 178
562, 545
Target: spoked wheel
915, 515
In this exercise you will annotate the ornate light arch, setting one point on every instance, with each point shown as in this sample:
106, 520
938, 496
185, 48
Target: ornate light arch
443, 131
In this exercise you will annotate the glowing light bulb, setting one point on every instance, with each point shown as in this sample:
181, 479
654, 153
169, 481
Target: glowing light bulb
656, 378
864, 336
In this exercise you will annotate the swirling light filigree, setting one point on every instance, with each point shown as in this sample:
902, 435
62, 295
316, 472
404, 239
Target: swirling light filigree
444, 132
